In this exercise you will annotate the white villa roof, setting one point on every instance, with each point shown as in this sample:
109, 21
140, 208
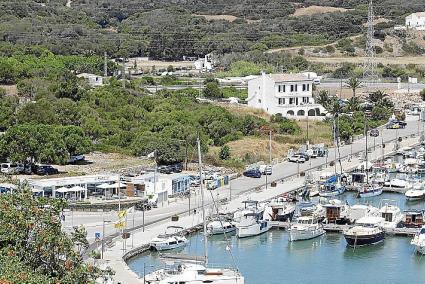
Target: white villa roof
418, 14
289, 77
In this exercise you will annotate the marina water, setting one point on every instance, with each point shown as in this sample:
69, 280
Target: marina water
271, 258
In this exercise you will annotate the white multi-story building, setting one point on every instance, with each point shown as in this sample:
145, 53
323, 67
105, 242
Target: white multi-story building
291, 95
416, 21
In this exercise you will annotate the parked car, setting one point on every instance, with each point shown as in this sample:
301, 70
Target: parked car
297, 158
76, 158
176, 168
255, 173
266, 169
305, 156
46, 170
165, 170
11, 168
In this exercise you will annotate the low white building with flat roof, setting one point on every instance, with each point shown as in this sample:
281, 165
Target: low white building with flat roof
416, 21
290, 95
81, 186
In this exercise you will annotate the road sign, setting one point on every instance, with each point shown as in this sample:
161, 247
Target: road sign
97, 236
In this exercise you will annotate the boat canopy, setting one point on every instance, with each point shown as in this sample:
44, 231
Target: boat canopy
370, 220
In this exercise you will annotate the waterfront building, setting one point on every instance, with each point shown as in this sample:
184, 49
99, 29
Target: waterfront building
290, 95
81, 186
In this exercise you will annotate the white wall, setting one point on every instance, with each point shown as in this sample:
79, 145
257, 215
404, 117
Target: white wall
413, 21
264, 93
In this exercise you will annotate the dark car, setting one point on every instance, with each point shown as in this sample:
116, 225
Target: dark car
252, 173
305, 156
165, 170
46, 170
177, 168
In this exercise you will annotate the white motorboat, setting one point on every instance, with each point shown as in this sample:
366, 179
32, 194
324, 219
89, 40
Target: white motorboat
397, 183
369, 190
419, 241
190, 273
368, 231
253, 223
305, 228
194, 273
280, 210
219, 227
391, 214
415, 194
172, 239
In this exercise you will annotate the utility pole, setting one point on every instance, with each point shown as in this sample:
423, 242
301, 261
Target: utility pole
123, 73
105, 65
270, 147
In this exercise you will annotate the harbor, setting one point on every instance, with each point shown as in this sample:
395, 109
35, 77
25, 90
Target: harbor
134, 259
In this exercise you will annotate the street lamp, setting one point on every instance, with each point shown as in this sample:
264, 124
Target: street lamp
103, 235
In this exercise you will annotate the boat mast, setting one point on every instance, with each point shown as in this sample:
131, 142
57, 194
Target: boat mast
335, 144
202, 202
366, 156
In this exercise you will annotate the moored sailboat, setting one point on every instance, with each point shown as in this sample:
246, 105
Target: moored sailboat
192, 272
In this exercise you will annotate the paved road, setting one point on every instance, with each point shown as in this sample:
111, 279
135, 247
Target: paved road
94, 221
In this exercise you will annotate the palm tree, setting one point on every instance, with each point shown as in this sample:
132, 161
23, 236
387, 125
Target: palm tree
377, 97
354, 83
353, 104
323, 98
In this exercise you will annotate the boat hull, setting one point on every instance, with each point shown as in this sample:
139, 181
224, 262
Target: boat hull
332, 193
371, 193
364, 240
164, 247
253, 230
221, 231
296, 235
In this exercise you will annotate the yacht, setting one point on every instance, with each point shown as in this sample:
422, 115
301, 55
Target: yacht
369, 190
252, 223
281, 210
331, 189
305, 228
194, 273
219, 227
172, 239
336, 212
417, 192
367, 231
391, 214
419, 241
396, 183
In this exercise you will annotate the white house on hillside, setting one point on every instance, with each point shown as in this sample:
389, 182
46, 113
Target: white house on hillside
291, 95
416, 21
92, 79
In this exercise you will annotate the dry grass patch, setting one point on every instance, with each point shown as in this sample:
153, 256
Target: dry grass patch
241, 110
312, 10
257, 149
228, 18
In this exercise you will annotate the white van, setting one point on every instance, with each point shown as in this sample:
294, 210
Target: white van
11, 169
266, 169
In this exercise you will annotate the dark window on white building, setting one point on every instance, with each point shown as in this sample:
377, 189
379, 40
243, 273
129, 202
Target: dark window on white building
281, 101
